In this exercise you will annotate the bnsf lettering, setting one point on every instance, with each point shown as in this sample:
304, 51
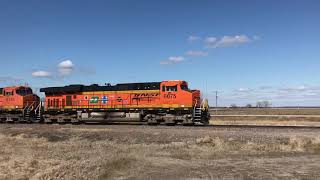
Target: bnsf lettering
170, 96
146, 95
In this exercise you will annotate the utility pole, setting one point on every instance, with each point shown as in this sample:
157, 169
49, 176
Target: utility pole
216, 99
216, 102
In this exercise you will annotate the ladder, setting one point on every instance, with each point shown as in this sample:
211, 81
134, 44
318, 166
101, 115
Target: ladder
37, 112
27, 115
197, 114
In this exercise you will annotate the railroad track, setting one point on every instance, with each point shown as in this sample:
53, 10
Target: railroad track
266, 115
264, 126
172, 126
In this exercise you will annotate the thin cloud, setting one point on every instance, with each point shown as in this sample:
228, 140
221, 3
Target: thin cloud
227, 41
172, 60
295, 89
194, 38
176, 58
41, 74
233, 40
265, 87
165, 63
245, 90
211, 40
10, 80
197, 53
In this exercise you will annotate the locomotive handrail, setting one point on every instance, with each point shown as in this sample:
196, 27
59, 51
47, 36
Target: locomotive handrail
194, 108
30, 105
38, 107
24, 109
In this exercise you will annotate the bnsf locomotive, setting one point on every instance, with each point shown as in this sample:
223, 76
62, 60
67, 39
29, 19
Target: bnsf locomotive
19, 104
168, 102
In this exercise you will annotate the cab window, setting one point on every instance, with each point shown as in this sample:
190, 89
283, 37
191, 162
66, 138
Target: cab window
171, 88
184, 87
8, 93
24, 92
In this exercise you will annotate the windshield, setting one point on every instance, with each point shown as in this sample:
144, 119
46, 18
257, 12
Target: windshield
24, 92
184, 87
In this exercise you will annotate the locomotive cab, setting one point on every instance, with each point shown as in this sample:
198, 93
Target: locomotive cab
14, 98
19, 104
177, 96
23, 91
177, 93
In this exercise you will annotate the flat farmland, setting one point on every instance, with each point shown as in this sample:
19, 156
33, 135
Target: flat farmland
266, 111
34, 151
266, 116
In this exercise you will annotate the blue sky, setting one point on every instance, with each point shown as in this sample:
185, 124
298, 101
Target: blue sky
247, 50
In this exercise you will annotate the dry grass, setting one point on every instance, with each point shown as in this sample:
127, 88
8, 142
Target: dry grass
70, 153
118, 163
266, 121
266, 111
260, 121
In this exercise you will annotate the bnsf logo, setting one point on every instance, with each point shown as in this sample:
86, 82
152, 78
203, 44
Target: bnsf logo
146, 95
170, 96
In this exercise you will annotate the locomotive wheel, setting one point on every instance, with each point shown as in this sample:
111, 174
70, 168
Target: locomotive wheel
153, 123
170, 121
170, 124
188, 124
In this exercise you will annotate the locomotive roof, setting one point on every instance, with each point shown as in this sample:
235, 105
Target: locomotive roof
77, 88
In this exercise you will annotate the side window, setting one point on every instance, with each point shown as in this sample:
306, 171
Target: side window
49, 104
171, 88
184, 87
24, 92
10, 93
163, 88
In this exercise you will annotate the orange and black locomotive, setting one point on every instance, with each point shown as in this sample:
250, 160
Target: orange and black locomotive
169, 102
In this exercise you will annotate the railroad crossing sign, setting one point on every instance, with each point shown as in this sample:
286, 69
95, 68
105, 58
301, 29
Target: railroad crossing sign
104, 99
94, 100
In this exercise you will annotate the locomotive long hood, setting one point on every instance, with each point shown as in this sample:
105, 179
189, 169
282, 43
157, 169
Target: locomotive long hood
77, 88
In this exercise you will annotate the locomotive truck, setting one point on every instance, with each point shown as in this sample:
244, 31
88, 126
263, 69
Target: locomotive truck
168, 102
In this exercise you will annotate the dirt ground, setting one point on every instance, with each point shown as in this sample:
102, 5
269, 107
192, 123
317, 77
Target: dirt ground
30, 151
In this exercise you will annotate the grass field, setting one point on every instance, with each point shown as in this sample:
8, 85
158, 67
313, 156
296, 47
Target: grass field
266, 111
144, 152
280, 120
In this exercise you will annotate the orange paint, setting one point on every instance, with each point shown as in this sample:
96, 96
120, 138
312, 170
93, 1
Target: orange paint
172, 94
17, 97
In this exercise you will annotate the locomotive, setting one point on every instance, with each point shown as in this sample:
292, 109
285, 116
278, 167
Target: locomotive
19, 103
166, 102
